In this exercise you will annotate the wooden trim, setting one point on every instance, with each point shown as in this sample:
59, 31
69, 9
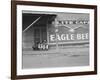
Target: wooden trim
13, 41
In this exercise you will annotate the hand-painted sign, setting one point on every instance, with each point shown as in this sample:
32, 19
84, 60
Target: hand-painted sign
69, 32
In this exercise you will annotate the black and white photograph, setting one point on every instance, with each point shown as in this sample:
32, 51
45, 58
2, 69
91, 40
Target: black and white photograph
53, 39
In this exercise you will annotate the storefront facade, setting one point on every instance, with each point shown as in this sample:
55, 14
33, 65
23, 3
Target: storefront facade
58, 29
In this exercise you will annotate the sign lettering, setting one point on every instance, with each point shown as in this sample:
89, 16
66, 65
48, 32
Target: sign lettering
66, 37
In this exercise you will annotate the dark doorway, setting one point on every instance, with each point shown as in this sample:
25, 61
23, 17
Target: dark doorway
40, 34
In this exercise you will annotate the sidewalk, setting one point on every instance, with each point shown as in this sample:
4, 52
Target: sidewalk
73, 50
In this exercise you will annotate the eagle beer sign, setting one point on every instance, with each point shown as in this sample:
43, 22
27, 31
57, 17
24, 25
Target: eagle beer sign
70, 31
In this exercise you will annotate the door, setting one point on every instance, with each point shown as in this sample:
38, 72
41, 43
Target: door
40, 34
43, 34
36, 35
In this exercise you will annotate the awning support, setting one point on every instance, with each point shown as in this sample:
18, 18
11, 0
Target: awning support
32, 24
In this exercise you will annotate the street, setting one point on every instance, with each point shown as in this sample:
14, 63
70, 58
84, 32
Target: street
69, 57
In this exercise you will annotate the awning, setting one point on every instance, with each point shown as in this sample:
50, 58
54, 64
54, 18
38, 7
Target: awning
29, 20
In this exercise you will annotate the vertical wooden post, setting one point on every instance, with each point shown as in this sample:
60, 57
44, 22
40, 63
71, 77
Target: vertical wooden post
56, 31
47, 32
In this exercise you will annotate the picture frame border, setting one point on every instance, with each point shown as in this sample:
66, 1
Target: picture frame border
14, 4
